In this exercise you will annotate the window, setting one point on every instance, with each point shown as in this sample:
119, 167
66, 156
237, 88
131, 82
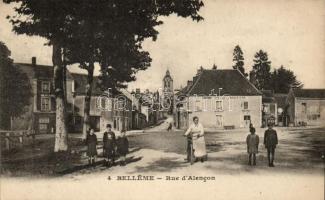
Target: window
231, 104
219, 120
46, 86
219, 105
45, 103
245, 105
304, 108
247, 117
42, 127
198, 105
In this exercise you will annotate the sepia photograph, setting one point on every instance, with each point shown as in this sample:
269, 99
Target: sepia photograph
162, 99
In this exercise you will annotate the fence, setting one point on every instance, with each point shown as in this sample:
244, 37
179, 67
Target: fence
17, 138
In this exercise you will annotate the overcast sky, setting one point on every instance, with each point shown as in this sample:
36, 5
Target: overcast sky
292, 32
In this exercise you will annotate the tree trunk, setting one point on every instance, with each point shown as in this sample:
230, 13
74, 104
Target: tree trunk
86, 122
61, 135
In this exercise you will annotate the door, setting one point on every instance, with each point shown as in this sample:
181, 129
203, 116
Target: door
247, 120
219, 121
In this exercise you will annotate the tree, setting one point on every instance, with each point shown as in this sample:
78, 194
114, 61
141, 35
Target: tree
88, 24
260, 75
283, 79
112, 34
239, 60
15, 89
51, 20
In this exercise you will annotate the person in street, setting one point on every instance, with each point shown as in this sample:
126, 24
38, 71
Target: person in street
196, 132
91, 141
170, 126
122, 143
109, 143
252, 141
270, 142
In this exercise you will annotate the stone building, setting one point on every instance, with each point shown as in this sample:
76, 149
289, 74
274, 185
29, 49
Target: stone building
306, 107
221, 99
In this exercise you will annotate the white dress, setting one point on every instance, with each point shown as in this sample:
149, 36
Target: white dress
197, 133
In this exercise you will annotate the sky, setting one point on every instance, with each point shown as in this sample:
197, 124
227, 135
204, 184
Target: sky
291, 32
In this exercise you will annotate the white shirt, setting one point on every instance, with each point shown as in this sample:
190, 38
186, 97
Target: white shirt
195, 130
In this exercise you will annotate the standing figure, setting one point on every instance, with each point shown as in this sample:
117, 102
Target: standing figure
109, 146
170, 126
252, 141
270, 142
197, 133
91, 141
122, 144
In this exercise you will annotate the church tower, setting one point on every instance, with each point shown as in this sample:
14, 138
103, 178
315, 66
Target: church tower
168, 83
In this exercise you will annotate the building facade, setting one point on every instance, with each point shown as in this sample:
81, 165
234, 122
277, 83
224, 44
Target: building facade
221, 99
306, 107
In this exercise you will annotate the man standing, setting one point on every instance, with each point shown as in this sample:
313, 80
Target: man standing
270, 142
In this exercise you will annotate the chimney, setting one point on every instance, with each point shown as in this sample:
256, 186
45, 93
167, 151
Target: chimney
34, 61
189, 83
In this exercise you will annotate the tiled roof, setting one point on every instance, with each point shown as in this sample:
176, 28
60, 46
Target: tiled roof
309, 93
231, 81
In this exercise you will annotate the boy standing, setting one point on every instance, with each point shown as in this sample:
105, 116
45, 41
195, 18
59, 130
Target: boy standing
270, 142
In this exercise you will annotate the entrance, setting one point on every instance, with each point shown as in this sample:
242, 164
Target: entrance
219, 121
247, 120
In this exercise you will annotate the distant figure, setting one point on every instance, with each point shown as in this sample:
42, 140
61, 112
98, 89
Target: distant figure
196, 131
252, 141
122, 147
109, 146
91, 141
270, 142
170, 126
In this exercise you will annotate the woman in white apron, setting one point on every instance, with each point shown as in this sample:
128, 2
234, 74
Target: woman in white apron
197, 133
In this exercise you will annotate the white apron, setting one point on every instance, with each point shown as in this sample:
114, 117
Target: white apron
198, 140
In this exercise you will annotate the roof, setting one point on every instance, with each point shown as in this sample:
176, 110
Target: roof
231, 81
280, 99
36, 71
309, 93
267, 96
80, 82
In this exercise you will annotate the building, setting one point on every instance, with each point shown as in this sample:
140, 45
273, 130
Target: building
306, 107
40, 115
168, 93
221, 99
280, 100
76, 93
269, 108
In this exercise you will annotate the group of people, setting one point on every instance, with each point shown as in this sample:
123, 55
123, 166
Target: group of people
270, 143
112, 146
196, 143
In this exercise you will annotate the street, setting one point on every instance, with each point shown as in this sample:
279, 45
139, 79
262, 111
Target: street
298, 171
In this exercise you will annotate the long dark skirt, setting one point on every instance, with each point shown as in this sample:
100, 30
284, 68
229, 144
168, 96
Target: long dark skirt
92, 150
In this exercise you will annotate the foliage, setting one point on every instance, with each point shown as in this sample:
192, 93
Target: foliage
260, 75
15, 88
238, 58
283, 79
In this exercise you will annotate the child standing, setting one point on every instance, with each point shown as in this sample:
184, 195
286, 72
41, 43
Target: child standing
109, 145
252, 141
91, 142
122, 147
